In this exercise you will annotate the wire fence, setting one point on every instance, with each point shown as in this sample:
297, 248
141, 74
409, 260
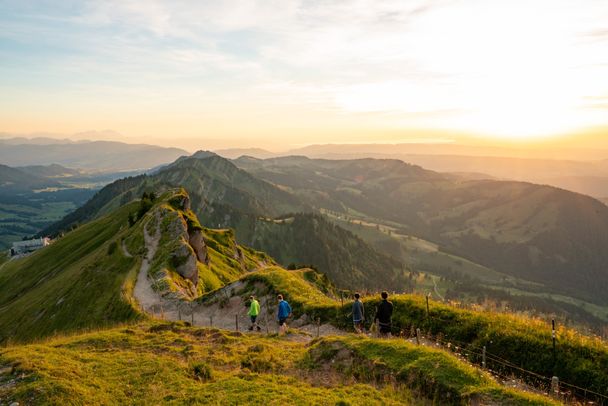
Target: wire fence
503, 369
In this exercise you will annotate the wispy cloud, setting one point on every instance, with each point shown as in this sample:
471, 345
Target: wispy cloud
492, 62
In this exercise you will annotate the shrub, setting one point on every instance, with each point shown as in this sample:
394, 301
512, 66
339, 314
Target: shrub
202, 371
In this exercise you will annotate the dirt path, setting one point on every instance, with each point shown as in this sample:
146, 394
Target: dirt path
227, 312
148, 299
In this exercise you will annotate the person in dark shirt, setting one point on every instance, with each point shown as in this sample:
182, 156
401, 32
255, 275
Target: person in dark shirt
384, 313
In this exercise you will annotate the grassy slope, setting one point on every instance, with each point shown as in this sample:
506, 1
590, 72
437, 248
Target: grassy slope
432, 373
75, 283
84, 280
175, 364
525, 342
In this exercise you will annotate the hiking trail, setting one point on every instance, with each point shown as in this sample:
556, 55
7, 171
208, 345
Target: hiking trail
222, 313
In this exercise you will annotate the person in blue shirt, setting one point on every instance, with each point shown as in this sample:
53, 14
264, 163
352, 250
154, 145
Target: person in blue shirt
358, 314
284, 313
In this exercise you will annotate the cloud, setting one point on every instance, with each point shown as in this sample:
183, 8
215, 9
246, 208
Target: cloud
506, 61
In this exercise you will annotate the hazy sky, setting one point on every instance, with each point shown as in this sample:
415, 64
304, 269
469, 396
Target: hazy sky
274, 73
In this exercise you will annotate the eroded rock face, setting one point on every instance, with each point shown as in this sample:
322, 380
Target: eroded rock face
184, 261
197, 242
189, 246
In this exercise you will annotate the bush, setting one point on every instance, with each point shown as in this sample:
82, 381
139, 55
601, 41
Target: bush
202, 371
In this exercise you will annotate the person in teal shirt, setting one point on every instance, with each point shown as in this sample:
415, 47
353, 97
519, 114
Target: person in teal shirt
254, 311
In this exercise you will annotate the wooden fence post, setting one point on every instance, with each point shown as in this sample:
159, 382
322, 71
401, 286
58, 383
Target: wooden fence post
266, 318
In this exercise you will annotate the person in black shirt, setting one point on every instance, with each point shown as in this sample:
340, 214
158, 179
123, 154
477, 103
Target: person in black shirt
384, 313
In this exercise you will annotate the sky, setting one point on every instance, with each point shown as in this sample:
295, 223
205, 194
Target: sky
289, 73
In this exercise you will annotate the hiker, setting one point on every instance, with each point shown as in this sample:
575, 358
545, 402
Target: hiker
358, 314
283, 314
254, 311
384, 312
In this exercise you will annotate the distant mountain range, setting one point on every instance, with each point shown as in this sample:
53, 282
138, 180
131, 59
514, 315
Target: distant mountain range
586, 172
98, 155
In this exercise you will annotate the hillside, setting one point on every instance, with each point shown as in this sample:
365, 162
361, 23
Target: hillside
50, 171
14, 180
224, 196
86, 278
538, 233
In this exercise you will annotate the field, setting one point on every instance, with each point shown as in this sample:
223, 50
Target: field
27, 214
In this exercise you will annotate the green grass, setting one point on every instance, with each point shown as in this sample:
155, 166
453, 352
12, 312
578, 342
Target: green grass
303, 289
175, 364
430, 373
171, 363
75, 283
84, 280
525, 342
31, 215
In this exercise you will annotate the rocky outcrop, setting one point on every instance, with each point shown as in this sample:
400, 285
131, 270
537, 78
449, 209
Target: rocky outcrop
180, 201
184, 261
197, 242
188, 245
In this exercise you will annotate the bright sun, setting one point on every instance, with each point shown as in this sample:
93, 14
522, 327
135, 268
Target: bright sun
497, 73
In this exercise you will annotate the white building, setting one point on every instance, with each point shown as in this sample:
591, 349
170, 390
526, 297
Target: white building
27, 246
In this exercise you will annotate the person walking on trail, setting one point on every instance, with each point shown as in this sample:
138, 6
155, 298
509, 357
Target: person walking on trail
254, 311
384, 313
358, 314
283, 314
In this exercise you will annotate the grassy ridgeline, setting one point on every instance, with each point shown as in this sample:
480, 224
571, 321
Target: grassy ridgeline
85, 279
432, 373
158, 363
524, 342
